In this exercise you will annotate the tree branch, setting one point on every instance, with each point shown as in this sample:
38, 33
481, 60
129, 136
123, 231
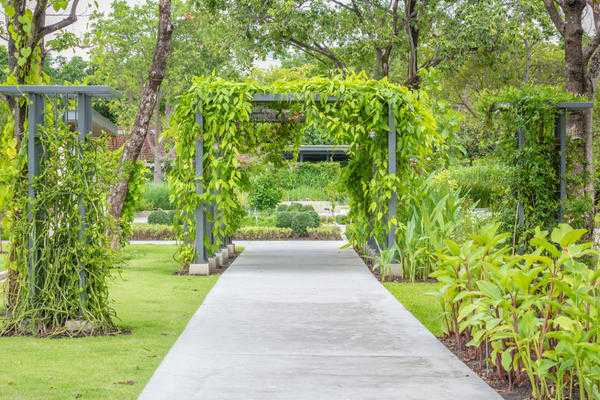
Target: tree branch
63, 23
555, 16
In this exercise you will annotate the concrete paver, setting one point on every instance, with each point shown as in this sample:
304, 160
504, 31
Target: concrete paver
307, 320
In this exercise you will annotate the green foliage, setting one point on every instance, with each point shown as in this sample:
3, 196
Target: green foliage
274, 233
359, 118
484, 182
64, 252
152, 232
301, 221
532, 316
161, 217
156, 197
533, 179
265, 194
134, 198
433, 214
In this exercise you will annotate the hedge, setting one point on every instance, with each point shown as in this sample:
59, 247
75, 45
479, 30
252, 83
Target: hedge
166, 232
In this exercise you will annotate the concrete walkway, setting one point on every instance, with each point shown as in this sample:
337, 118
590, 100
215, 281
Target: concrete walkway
306, 320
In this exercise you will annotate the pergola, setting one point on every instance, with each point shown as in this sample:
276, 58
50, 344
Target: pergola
36, 96
560, 132
260, 100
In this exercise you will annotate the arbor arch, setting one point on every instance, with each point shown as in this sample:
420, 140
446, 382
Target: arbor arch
390, 131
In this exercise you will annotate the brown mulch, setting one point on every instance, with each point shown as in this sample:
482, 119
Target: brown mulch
469, 357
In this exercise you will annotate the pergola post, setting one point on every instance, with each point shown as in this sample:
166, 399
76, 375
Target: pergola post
520, 146
392, 170
35, 116
84, 127
201, 256
561, 134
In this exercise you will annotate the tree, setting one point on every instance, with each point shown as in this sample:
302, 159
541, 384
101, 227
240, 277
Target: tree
25, 32
148, 101
582, 71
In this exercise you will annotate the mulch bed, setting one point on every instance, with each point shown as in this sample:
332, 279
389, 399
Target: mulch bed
468, 357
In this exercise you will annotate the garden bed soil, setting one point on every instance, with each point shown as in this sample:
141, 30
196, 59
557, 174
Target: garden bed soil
468, 357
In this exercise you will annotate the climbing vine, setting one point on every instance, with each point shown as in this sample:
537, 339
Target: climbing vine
71, 258
358, 116
533, 171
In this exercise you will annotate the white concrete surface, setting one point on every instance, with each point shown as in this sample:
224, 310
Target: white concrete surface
307, 320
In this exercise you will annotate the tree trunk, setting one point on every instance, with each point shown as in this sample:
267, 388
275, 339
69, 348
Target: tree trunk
413, 80
157, 151
579, 124
134, 144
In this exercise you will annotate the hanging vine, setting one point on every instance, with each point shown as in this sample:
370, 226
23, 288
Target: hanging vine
71, 264
358, 116
533, 171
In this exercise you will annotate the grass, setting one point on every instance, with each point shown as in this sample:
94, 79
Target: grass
417, 299
1, 261
149, 300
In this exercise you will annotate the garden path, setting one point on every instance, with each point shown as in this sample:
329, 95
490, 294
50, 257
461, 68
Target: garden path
307, 320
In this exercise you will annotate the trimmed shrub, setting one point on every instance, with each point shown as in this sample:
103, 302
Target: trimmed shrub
263, 233
283, 219
152, 232
161, 217
301, 221
273, 233
265, 193
328, 232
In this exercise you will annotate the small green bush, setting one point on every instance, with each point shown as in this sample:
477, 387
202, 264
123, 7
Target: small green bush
283, 219
341, 219
156, 197
265, 193
301, 221
161, 217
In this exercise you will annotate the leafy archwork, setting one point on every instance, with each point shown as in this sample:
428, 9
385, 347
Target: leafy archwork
358, 117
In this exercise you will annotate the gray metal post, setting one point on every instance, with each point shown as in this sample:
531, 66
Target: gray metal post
392, 169
84, 127
561, 127
35, 116
520, 146
200, 218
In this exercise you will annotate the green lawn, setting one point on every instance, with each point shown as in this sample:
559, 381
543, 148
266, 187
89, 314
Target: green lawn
417, 299
150, 301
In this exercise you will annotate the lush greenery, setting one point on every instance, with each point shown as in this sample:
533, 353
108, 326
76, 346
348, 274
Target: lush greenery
65, 276
298, 217
533, 176
326, 232
91, 368
265, 194
156, 197
483, 183
161, 217
532, 317
359, 117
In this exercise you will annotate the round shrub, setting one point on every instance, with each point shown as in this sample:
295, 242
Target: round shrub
301, 221
265, 194
283, 219
161, 217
